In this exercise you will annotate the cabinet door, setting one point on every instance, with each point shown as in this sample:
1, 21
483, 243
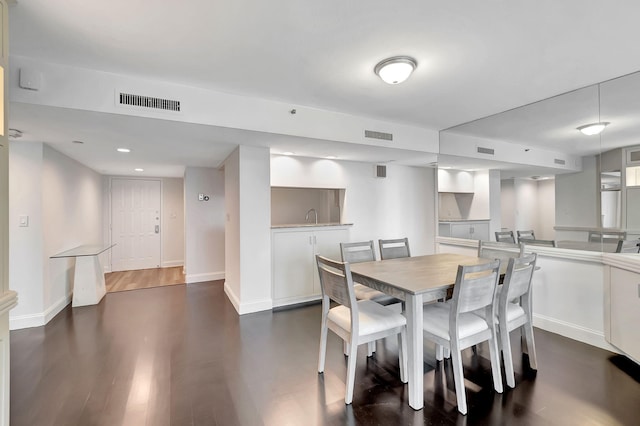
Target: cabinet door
625, 311
293, 265
480, 231
460, 230
327, 244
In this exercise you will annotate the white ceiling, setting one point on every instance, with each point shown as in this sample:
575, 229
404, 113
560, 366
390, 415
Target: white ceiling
474, 59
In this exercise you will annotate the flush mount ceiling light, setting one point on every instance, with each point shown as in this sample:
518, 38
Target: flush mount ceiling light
593, 128
395, 70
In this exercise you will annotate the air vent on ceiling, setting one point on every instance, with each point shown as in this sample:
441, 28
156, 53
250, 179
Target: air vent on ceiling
378, 135
559, 161
482, 150
149, 102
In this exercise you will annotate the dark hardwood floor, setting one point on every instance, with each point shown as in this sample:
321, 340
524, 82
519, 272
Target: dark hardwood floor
180, 355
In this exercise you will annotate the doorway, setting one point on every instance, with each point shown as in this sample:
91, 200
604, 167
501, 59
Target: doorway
135, 224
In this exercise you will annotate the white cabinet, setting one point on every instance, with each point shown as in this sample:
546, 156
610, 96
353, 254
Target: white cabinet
470, 230
624, 312
295, 275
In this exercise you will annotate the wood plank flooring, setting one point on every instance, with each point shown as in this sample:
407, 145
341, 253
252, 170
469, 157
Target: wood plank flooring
180, 355
144, 278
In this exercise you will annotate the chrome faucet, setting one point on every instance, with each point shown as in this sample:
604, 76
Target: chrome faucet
315, 213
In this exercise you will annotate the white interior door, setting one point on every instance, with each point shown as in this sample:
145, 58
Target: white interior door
135, 224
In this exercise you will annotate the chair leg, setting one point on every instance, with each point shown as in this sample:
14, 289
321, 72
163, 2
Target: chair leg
439, 351
505, 345
495, 362
458, 378
371, 348
531, 345
351, 373
323, 344
402, 355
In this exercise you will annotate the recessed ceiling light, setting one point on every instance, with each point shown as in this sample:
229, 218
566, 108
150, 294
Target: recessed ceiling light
139, 170
77, 142
123, 150
331, 157
444, 168
593, 128
395, 70
287, 153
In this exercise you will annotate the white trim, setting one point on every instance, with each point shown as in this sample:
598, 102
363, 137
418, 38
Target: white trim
37, 320
573, 331
295, 300
209, 276
235, 300
462, 242
246, 308
172, 263
628, 262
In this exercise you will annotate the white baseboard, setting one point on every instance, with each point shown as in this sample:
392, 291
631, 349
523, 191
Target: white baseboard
37, 320
573, 331
172, 263
209, 276
247, 308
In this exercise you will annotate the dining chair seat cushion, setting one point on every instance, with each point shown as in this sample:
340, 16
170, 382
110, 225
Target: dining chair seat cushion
362, 292
373, 317
436, 321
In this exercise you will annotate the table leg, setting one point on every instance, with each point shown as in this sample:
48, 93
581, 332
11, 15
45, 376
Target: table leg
88, 281
414, 349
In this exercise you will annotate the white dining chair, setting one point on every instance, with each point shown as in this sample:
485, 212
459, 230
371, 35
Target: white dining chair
514, 311
355, 322
526, 235
455, 326
502, 251
505, 237
628, 246
394, 249
363, 251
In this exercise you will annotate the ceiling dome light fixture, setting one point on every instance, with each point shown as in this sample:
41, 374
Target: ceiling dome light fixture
395, 70
593, 128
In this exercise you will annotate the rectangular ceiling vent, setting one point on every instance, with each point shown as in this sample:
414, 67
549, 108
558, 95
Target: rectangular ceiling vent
378, 135
149, 102
559, 161
482, 150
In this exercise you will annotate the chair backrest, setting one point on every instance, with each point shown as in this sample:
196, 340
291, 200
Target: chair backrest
546, 243
362, 251
475, 287
502, 251
335, 281
526, 235
505, 237
628, 246
517, 280
606, 236
393, 249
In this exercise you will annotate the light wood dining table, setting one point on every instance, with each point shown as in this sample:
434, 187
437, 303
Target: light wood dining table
414, 280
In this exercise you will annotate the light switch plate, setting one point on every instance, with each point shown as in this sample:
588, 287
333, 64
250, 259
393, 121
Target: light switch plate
24, 221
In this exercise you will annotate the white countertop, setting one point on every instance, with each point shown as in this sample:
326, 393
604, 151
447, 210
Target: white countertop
309, 225
462, 220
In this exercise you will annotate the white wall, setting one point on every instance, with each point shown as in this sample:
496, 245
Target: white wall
204, 233
72, 216
508, 204
402, 204
546, 209
63, 199
480, 208
529, 204
576, 196
248, 230
26, 243
172, 222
